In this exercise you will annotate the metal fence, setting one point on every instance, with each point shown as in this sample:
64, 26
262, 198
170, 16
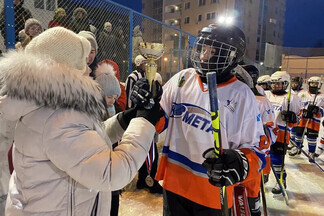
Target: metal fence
119, 44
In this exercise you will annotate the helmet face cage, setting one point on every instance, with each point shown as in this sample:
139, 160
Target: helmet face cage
212, 55
315, 80
283, 80
298, 80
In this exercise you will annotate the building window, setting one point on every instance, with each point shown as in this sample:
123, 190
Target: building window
274, 33
258, 39
187, 5
199, 17
202, 2
186, 20
211, 16
214, 1
273, 20
49, 5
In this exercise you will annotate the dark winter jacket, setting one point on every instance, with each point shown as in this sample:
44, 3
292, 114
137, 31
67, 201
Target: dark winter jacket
21, 15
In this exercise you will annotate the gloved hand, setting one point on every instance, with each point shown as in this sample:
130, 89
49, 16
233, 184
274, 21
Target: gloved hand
230, 168
141, 94
288, 116
313, 109
152, 115
126, 116
278, 148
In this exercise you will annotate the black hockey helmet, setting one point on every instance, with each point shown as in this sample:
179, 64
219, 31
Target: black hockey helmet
218, 48
253, 71
298, 80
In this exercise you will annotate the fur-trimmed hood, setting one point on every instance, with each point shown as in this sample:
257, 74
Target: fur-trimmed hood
43, 82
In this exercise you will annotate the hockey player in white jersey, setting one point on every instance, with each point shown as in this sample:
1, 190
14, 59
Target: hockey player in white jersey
278, 96
296, 85
265, 108
189, 187
310, 117
263, 84
296, 88
249, 75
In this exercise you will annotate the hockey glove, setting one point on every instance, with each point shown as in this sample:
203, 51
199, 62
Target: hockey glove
153, 115
141, 94
288, 116
278, 148
323, 123
230, 168
313, 109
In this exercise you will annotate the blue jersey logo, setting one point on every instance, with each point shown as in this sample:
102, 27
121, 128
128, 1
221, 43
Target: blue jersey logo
192, 115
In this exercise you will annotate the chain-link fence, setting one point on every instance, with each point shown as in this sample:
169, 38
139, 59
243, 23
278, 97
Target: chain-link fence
118, 30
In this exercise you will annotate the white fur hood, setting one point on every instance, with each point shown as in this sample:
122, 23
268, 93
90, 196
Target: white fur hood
32, 81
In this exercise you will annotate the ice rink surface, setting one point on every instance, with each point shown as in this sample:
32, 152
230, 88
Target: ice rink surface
305, 188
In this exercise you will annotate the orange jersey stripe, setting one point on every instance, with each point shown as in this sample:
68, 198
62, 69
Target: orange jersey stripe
192, 187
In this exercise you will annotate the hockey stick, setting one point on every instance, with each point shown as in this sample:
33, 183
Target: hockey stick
264, 200
313, 161
285, 136
212, 89
282, 188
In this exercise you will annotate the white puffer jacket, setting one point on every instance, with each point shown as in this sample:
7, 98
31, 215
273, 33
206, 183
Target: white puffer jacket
62, 153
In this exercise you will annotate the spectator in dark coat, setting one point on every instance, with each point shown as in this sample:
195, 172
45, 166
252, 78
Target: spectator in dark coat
59, 19
80, 20
21, 15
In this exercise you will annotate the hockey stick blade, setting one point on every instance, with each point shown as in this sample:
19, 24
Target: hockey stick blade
313, 160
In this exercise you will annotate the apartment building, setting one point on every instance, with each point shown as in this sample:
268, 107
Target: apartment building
261, 20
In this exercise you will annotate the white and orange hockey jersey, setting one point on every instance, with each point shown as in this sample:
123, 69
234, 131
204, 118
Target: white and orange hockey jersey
185, 101
306, 99
279, 103
268, 119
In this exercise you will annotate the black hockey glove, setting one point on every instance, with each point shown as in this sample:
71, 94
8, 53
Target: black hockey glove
323, 123
230, 168
141, 94
288, 116
278, 148
306, 114
313, 109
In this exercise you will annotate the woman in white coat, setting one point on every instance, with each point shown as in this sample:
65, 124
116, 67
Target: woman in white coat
62, 155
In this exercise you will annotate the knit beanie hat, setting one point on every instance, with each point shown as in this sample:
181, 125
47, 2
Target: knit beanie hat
107, 80
90, 37
63, 46
139, 60
30, 22
57, 11
79, 9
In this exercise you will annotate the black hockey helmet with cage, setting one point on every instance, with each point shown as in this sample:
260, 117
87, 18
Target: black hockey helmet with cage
298, 80
226, 46
253, 72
